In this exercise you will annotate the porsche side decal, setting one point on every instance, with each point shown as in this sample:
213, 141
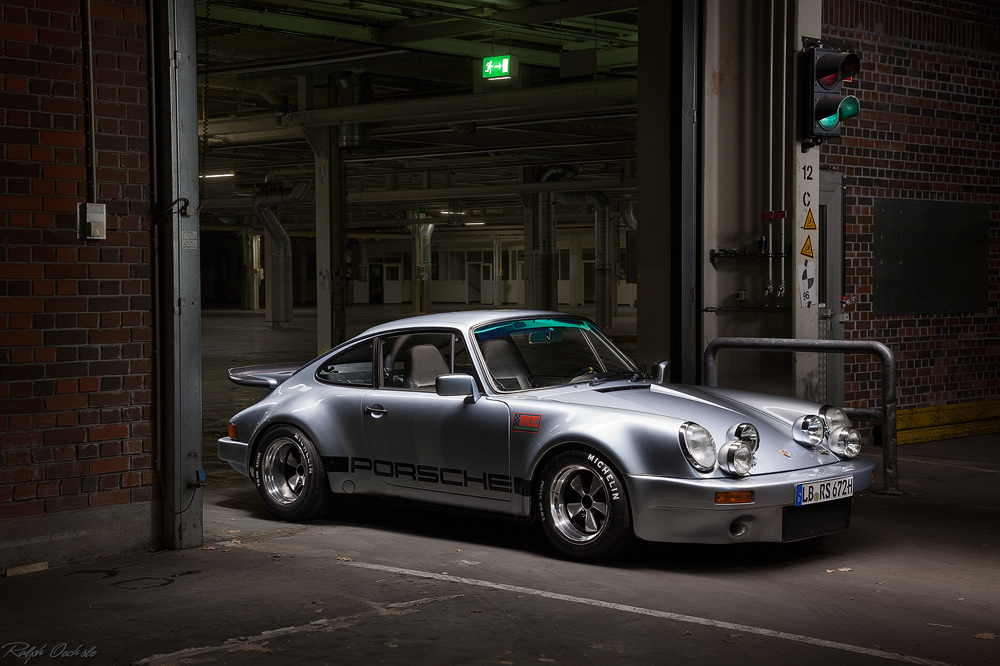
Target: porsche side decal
447, 476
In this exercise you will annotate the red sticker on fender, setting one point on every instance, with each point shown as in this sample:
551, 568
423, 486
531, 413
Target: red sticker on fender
526, 422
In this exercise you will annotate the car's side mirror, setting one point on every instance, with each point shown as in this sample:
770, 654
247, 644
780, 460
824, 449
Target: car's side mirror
447, 385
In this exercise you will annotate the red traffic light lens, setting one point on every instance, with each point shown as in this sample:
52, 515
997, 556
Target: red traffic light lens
832, 68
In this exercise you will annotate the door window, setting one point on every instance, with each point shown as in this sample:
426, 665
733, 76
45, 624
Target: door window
415, 360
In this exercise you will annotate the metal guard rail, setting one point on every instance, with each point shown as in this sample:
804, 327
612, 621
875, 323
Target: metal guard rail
886, 415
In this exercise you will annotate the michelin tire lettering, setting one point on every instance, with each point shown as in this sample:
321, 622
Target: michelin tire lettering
607, 473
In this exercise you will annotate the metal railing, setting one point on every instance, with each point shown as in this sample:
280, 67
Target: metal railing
886, 415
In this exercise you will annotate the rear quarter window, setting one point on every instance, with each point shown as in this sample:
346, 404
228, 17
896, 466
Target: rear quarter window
351, 367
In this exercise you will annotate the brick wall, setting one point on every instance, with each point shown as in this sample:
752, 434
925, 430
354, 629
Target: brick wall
928, 130
76, 322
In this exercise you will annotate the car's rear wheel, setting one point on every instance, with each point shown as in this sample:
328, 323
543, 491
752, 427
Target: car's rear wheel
583, 507
290, 476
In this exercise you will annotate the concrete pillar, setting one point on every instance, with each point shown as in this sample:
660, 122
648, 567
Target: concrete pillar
331, 217
529, 204
655, 292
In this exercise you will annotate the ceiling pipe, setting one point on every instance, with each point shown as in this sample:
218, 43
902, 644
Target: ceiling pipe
271, 92
288, 172
276, 67
354, 89
264, 201
509, 4
628, 215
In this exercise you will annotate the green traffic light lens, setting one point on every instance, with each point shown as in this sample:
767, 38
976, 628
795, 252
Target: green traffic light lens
829, 122
847, 108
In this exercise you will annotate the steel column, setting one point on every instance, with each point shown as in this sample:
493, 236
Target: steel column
178, 275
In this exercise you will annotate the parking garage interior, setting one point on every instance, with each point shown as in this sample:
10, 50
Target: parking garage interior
198, 184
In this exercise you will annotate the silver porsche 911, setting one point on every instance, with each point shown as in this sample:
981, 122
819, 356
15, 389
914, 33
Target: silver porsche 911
538, 415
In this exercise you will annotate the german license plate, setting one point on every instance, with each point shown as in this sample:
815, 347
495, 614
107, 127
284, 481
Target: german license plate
824, 491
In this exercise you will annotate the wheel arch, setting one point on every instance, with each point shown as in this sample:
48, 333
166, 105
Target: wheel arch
583, 445
253, 446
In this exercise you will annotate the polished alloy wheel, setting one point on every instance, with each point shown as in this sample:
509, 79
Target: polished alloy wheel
578, 502
283, 470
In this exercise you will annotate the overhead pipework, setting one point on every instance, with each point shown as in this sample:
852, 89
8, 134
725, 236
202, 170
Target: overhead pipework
354, 89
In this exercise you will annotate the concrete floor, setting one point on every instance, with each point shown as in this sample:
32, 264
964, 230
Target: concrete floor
916, 579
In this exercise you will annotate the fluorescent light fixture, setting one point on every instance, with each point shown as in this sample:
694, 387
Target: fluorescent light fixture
474, 224
453, 212
226, 174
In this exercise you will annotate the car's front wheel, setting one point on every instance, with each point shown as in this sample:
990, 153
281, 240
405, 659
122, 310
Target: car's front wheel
290, 476
583, 508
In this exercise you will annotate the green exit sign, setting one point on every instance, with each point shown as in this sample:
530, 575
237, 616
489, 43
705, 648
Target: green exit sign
500, 67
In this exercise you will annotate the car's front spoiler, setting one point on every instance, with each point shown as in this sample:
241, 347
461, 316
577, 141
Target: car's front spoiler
235, 453
684, 510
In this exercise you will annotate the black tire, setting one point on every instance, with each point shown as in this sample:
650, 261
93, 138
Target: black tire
290, 476
583, 507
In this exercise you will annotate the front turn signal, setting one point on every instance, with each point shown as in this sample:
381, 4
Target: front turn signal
734, 497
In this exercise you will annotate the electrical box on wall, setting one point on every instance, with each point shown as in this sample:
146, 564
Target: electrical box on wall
92, 221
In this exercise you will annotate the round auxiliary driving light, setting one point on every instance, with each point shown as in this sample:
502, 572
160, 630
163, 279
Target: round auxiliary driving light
835, 418
747, 434
846, 442
808, 430
735, 458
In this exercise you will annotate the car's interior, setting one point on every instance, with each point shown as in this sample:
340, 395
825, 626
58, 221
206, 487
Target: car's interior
504, 364
422, 365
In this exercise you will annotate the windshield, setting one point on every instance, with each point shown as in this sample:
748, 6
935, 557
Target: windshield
535, 353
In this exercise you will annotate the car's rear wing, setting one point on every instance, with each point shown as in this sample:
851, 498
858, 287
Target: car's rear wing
268, 376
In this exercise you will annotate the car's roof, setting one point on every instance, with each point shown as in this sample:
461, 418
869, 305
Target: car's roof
464, 320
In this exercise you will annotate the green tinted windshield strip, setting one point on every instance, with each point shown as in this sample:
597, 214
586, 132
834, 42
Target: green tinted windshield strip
528, 324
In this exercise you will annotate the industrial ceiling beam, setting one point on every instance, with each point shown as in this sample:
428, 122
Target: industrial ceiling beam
311, 26
539, 103
432, 193
531, 20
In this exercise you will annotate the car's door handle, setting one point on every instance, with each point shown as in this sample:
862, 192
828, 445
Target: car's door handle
376, 411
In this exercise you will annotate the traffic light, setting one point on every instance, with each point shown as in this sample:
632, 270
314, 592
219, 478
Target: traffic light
824, 107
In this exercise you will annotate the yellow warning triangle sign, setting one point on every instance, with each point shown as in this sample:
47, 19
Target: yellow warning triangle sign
810, 221
807, 249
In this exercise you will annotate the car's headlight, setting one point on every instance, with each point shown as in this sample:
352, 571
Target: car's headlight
835, 418
746, 433
736, 458
845, 442
698, 446
809, 430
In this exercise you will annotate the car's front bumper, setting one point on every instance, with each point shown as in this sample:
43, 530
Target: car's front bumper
235, 453
684, 510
